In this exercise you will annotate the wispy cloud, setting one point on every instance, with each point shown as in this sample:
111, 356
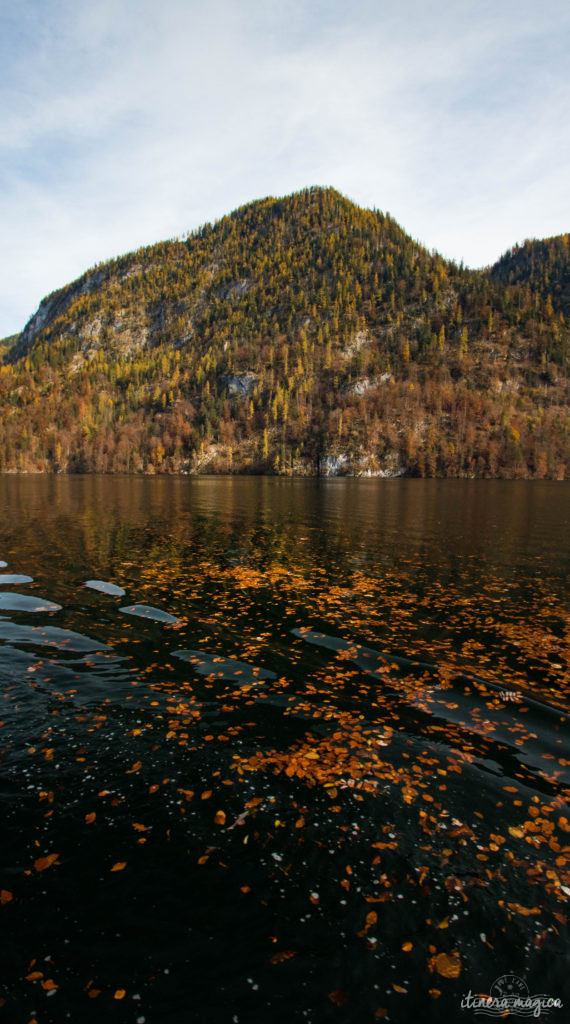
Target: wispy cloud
126, 122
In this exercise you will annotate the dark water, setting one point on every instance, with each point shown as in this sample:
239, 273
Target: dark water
298, 752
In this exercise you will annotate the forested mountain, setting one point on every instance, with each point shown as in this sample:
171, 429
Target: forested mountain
296, 335
543, 267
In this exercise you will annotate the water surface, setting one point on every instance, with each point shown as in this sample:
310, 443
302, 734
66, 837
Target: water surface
316, 769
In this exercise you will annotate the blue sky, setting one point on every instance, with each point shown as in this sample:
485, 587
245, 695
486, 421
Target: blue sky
128, 121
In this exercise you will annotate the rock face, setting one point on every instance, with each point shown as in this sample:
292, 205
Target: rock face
55, 305
333, 465
235, 290
360, 387
240, 384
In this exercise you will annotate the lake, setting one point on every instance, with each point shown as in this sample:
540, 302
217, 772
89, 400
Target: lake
287, 750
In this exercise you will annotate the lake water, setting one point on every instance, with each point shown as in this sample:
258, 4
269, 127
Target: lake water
299, 751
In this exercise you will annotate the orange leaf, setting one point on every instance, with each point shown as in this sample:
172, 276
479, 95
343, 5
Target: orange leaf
140, 828
6, 896
285, 954
119, 866
407, 946
49, 984
220, 818
525, 911
34, 976
449, 966
136, 767
338, 997
90, 818
120, 993
206, 794
45, 862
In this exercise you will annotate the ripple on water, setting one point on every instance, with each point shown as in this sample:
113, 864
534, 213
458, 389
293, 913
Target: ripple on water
147, 611
224, 668
25, 603
106, 588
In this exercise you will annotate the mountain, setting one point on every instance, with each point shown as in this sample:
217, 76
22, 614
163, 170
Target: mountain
296, 335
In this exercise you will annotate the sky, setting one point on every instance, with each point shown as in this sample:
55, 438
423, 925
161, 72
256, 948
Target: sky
125, 122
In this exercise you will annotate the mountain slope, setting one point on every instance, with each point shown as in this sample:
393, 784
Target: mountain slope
542, 267
300, 334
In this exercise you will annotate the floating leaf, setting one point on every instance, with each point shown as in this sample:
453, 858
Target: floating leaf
46, 862
338, 997
279, 958
448, 965
119, 866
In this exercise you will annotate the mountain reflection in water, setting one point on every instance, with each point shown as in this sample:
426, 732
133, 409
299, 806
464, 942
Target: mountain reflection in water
316, 768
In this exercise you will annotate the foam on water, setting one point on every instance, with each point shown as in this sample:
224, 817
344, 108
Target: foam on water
106, 588
50, 636
147, 611
25, 603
